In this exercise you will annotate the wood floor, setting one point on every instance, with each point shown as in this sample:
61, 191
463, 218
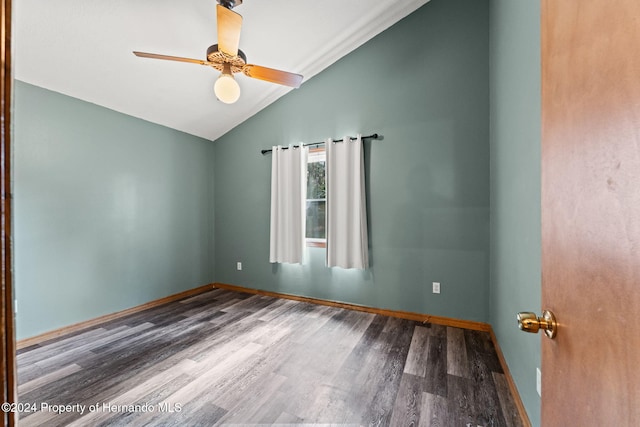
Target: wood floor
230, 358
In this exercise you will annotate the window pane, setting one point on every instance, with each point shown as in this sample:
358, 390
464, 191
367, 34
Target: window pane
316, 181
315, 219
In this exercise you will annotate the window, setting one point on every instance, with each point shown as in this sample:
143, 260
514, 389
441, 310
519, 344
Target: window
316, 198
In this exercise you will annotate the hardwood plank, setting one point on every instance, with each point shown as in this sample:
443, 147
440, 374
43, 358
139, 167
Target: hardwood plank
256, 408
417, 358
487, 404
197, 412
312, 364
40, 418
286, 418
436, 330
330, 405
232, 386
434, 411
457, 363
481, 366
133, 395
461, 405
408, 404
480, 344
513, 390
398, 334
251, 304
56, 356
352, 375
62, 342
154, 398
201, 383
280, 308
507, 404
436, 370
47, 378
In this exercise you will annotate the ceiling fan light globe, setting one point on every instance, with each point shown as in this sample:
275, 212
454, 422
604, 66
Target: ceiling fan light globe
227, 90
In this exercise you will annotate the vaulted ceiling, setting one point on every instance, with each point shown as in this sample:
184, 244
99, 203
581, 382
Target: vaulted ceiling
83, 48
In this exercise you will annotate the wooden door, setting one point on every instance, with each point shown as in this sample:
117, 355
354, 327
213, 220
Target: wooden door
591, 211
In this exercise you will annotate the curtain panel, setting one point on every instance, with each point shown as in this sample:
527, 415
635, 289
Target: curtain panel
288, 196
347, 240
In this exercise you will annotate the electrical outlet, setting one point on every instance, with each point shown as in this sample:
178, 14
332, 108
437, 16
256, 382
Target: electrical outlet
239, 266
539, 382
436, 287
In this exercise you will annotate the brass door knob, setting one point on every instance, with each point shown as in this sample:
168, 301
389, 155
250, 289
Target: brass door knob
530, 322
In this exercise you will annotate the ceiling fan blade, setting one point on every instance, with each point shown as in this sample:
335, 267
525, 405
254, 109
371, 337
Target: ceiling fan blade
170, 58
229, 26
274, 76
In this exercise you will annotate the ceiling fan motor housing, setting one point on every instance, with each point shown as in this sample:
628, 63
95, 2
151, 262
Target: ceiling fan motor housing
218, 59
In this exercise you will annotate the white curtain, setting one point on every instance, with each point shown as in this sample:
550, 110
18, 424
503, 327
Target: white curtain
288, 195
347, 242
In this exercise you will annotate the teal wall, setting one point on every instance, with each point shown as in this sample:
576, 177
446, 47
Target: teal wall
110, 211
515, 186
423, 85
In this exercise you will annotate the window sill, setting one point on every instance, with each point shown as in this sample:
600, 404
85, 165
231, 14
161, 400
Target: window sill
316, 244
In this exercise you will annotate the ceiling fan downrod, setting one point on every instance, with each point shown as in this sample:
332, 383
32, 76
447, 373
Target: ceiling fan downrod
230, 4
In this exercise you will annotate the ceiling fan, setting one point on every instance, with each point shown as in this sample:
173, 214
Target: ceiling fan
229, 59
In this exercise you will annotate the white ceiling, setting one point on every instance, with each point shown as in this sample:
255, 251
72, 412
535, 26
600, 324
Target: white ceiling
82, 48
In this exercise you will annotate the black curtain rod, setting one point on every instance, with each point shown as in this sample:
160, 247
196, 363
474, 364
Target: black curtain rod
372, 136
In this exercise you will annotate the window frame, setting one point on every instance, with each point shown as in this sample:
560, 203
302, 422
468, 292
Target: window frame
316, 154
